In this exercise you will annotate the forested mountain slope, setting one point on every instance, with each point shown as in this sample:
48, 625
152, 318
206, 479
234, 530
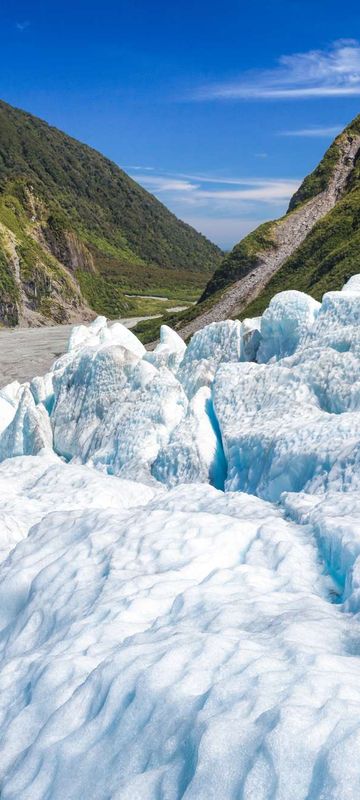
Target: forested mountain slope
77, 232
314, 247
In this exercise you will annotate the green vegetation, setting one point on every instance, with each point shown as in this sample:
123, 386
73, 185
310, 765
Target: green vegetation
238, 263
94, 219
328, 257
242, 259
318, 180
75, 229
40, 275
8, 288
330, 253
148, 330
181, 288
80, 229
106, 298
52, 309
102, 296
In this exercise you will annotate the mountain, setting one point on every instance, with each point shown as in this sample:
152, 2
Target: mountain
314, 247
77, 233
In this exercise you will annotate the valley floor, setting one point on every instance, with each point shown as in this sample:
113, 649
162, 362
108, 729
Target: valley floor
25, 352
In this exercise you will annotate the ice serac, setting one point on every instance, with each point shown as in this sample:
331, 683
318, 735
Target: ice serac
42, 389
220, 341
265, 415
120, 335
169, 352
29, 432
194, 451
115, 410
250, 338
285, 323
80, 336
209, 347
9, 401
294, 423
99, 332
275, 433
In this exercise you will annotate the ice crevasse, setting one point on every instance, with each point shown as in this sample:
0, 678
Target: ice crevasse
180, 563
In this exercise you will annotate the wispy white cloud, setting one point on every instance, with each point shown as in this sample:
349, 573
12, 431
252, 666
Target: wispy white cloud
163, 183
334, 72
330, 131
195, 187
219, 179
277, 191
132, 166
21, 26
223, 208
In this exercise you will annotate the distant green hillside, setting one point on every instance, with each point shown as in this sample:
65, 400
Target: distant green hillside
314, 247
318, 180
243, 258
330, 253
75, 229
327, 258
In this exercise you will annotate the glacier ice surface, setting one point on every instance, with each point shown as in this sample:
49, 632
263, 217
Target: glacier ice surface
193, 453
115, 410
284, 323
180, 563
169, 352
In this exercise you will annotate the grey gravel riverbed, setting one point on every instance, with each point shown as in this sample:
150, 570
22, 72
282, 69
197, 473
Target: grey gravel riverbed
26, 352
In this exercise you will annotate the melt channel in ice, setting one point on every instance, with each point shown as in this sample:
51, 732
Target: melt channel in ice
179, 578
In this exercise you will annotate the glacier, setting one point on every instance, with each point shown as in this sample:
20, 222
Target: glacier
180, 562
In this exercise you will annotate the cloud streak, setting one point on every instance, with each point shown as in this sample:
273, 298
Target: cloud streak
223, 208
195, 189
21, 26
163, 183
266, 193
331, 130
318, 73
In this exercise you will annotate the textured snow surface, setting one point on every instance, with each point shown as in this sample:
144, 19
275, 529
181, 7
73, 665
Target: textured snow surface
180, 563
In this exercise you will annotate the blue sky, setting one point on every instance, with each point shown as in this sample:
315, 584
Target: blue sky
218, 108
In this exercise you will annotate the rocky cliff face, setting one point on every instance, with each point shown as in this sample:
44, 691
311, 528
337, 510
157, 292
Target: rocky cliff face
67, 248
36, 288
